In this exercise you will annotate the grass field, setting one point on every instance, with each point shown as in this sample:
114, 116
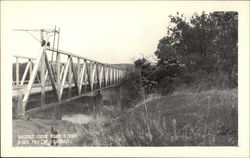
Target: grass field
208, 118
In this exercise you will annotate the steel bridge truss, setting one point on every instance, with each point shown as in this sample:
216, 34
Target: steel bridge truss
55, 76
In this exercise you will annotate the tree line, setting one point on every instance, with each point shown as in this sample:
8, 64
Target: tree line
200, 52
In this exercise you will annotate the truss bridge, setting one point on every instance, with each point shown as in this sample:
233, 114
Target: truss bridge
41, 83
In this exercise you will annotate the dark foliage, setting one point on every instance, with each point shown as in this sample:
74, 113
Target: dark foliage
131, 86
202, 50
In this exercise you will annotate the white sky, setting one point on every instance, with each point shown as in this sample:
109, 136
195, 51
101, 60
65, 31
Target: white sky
109, 32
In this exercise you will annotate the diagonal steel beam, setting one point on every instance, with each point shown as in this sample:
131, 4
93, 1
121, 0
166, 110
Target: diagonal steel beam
58, 75
64, 77
46, 75
17, 71
61, 73
81, 77
52, 79
74, 75
78, 70
93, 74
25, 72
88, 73
31, 80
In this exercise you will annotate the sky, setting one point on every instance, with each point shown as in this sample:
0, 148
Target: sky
109, 32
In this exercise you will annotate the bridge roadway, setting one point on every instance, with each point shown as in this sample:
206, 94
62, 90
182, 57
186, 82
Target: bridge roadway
34, 102
37, 88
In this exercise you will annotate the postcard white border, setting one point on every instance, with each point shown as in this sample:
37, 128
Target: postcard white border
242, 150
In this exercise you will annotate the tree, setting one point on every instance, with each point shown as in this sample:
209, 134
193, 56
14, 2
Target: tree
202, 51
207, 44
131, 86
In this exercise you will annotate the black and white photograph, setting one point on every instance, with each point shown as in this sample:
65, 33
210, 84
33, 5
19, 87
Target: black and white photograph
164, 75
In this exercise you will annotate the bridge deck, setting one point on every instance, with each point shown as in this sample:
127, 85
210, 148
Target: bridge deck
34, 101
37, 88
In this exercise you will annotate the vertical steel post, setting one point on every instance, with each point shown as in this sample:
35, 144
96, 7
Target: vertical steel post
86, 76
74, 76
115, 76
54, 39
57, 108
58, 75
90, 76
41, 36
20, 107
30, 68
61, 74
104, 74
70, 77
108, 76
118, 76
98, 75
82, 76
17, 71
42, 76
111, 76
78, 75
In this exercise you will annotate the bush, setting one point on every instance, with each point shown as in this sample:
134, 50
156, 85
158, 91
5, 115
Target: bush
131, 89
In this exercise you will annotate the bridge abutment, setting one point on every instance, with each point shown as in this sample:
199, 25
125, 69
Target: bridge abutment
58, 112
20, 110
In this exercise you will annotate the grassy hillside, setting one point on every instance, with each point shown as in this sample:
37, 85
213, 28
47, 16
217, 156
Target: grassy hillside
208, 118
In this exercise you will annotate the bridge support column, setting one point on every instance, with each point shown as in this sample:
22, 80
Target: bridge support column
57, 108
119, 103
70, 79
118, 97
58, 112
20, 108
97, 108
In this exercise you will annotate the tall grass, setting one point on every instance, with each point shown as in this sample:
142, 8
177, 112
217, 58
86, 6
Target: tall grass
207, 118
192, 119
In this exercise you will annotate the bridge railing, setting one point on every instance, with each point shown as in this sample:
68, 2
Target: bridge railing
19, 78
75, 72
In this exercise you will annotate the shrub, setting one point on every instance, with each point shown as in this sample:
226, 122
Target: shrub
131, 89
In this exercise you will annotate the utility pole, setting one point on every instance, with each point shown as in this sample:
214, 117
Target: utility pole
45, 34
